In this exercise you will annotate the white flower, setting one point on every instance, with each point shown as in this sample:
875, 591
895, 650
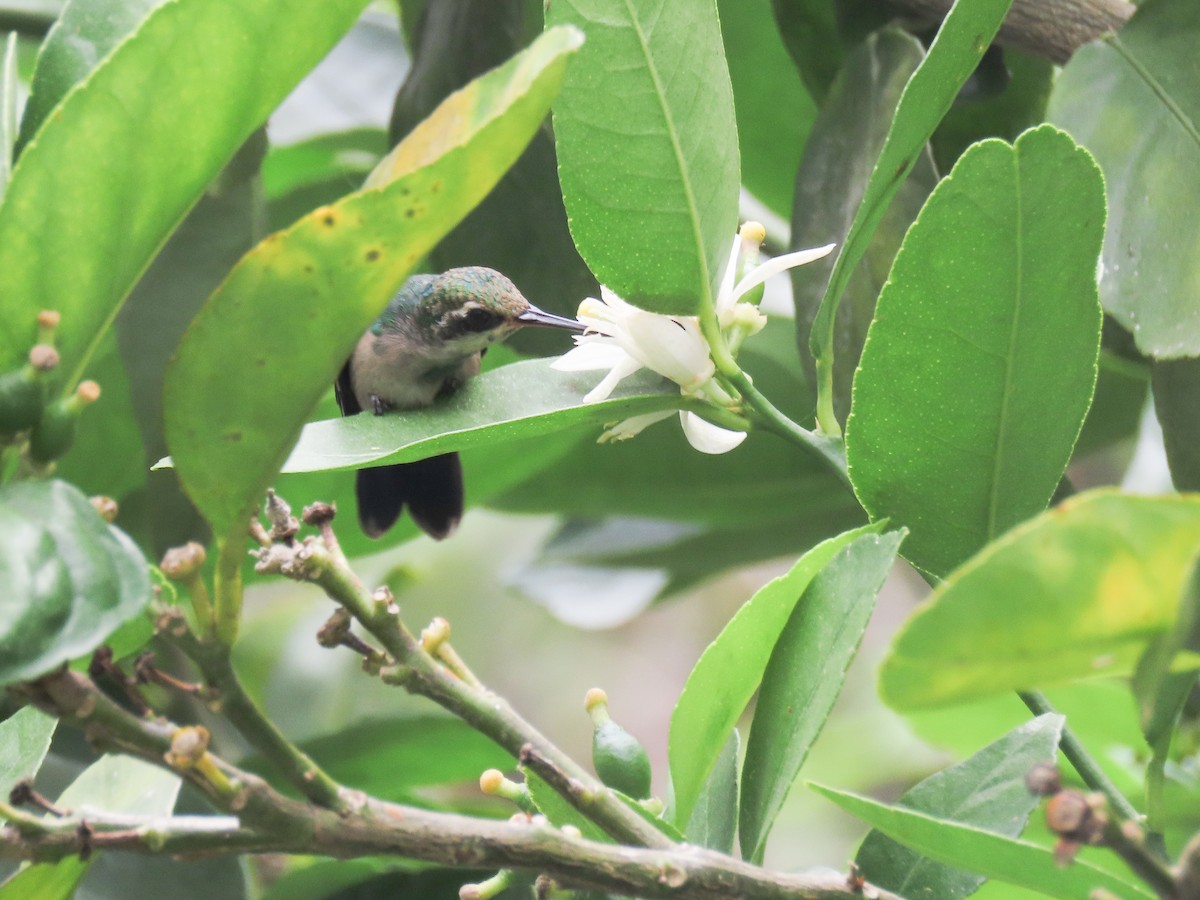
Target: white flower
622, 339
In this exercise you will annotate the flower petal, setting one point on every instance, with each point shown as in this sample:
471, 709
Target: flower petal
589, 354
707, 437
779, 264
625, 367
634, 425
670, 345
725, 294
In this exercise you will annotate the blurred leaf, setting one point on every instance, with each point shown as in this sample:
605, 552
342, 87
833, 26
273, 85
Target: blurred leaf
286, 317
24, 742
1134, 102
991, 855
986, 791
1176, 386
115, 785
391, 759
1018, 105
647, 148
810, 34
179, 80
8, 109
960, 42
981, 360
730, 669
774, 110
714, 820
1077, 592
370, 879
1116, 410
523, 400
1160, 692
520, 228
301, 177
85, 33
846, 141
70, 578
804, 678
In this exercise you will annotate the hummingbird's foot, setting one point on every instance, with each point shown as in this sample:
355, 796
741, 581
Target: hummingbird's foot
378, 404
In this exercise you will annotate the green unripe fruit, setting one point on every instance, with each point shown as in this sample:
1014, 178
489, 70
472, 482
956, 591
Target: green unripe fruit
54, 433
617, 756
22, 399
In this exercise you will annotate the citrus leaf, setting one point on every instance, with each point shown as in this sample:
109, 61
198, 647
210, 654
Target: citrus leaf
521, 400
1077, 592
730, 669
647, 148
70, 578
804, 677
1134, 102
982, 358
103, 182
986, 791
992, 855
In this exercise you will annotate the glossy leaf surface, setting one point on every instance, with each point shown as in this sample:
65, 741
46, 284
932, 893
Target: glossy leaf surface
729, 671
1134, 102
804, 678
647, 148
981, 361
70, 578
986, 791
992, 855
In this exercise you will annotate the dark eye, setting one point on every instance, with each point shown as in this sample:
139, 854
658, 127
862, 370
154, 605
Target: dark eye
479, 319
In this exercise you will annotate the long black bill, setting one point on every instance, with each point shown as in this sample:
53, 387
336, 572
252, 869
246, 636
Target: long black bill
534, 316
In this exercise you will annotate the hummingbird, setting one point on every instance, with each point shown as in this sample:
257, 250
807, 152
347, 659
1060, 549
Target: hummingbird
427, 343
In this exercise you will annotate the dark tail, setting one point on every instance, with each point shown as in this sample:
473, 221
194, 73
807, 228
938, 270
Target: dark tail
432, 488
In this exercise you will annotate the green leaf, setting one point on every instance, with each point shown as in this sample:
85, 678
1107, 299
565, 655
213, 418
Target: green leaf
804, 678
1116, 411
730, 669
965, 33
70, 578
1077, 592
714, 820
286, 317
1176, 384
774, 110
392, 759
845, 142
24, 742
8, 109
810, 34
986, 791
85, 33
298, 178
102, 184
1161, 693
1134, 102
115, 785
991, 855
981, 361
522, 400
647, 148
559, 811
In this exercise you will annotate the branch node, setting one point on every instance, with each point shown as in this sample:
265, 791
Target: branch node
23, 794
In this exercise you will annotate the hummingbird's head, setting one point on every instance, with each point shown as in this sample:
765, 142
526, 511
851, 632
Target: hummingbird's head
473, 307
